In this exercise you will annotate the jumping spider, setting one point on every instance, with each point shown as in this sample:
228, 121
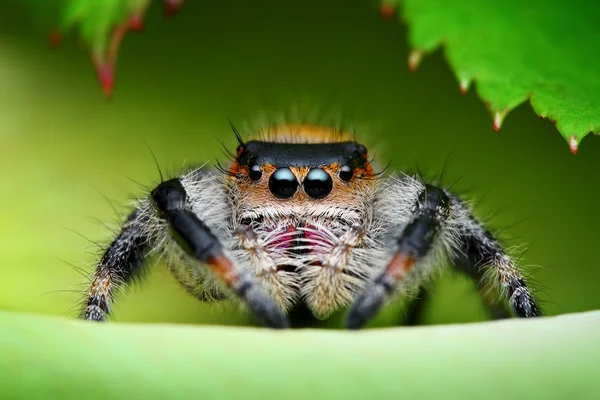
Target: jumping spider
301, 217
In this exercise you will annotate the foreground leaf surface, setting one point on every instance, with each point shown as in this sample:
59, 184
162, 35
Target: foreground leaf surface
545, 51
48, 357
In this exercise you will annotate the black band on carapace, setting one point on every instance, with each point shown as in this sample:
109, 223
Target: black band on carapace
302, 154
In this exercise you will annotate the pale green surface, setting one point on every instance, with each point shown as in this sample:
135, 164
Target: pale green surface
552, 358
547, 51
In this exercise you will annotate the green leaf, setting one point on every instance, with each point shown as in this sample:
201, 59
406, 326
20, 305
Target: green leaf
545, 51
102, 25
46, 357
95, 20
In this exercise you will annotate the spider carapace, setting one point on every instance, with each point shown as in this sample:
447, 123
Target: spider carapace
300, 217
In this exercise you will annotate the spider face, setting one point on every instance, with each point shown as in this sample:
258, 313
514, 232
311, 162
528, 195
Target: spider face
311, 173
300, 217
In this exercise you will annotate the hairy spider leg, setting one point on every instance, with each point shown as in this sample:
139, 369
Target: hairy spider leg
415, 242
488, 294
477, 253
481, 256
121, 262
417, 306
196, 240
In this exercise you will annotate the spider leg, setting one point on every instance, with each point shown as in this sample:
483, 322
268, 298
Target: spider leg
417, 306
196, 239
440, 222
124, 256
430, 212
121, 261
480, 255
489, 296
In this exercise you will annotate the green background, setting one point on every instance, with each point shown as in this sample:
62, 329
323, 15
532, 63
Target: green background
63, 147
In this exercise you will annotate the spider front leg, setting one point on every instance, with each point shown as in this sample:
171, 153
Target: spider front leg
441, 222
420, 236
170, 201
196, 239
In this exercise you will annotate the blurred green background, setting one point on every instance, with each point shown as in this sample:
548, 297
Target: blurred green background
64, 148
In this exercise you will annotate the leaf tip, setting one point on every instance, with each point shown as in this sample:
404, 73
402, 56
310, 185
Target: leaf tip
573, 145
414, 59
55, 38
464, 86
136, 22
498, 118
106, 76
387, 10
171, 7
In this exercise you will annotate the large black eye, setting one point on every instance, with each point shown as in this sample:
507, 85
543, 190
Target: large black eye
283, 183
317, 183
346, 173
255, 172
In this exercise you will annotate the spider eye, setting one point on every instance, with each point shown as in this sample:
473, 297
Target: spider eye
318, 183
255, 172
283, 183
346, 173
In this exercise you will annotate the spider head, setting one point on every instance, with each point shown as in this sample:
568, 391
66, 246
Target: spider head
301, 166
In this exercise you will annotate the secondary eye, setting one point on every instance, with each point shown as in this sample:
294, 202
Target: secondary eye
318, 183
346, 173
255, 172
283, 183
